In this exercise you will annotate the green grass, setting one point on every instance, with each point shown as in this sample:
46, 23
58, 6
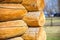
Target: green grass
53, 19
53, 38
53, 33
56, 20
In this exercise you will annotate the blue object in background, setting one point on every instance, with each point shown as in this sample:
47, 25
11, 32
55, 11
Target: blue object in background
51, 7
46, 14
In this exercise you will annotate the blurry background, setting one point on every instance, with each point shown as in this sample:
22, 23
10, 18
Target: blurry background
52, 14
